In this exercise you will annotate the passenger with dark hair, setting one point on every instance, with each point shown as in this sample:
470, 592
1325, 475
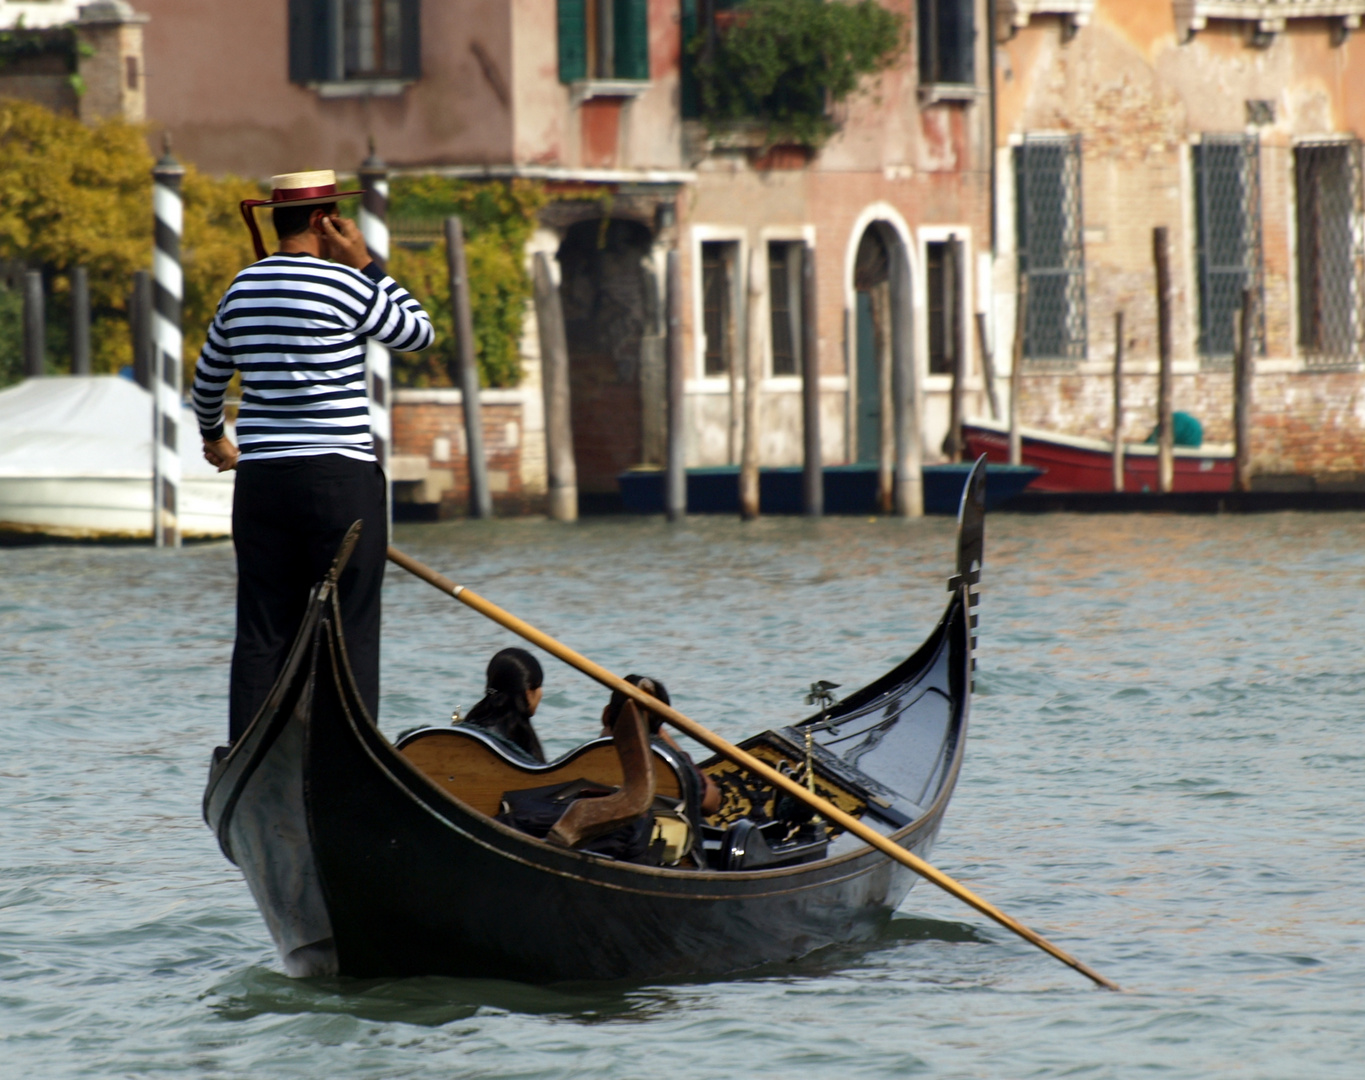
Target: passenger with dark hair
709, 793
515, 687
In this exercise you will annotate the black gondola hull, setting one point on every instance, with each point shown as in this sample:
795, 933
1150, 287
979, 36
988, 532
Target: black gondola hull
364, 867
429, 887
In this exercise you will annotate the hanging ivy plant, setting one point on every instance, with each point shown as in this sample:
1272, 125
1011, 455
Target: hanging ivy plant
499, 217
784, 63
21, 47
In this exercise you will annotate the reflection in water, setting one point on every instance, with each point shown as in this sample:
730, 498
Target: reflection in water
428, 1001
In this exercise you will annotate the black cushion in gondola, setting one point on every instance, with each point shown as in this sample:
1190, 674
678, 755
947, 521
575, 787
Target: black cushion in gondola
535, 811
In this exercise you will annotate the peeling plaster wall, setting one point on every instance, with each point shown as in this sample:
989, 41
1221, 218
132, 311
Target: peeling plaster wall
218, 80
1138, 98
928, 164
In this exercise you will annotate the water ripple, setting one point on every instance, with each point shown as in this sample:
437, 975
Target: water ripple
1163, 774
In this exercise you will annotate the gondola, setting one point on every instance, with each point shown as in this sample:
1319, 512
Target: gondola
370, 858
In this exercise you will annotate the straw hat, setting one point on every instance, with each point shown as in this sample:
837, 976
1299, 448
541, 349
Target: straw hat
316, 188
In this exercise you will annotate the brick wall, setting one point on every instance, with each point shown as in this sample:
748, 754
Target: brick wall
1141, 96
430, 468
1310, 424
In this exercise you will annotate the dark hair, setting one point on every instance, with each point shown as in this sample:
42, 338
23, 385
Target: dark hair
505, 709
653, 687
292, 220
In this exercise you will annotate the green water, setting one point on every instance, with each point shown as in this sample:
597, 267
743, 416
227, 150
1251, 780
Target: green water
1164, 773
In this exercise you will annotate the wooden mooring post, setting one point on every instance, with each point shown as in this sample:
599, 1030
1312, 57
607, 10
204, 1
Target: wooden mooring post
80, 321
753, 367
907, 412
1118, 401
952, 277
1165, 446
374, 226
813, 463
467, 371
987, 365
1017, 370
1243, 374
560, 467
35, 324
168, 295
140, 327
675, 461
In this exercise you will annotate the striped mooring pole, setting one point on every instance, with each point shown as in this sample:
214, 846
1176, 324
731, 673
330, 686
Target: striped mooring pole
374, 226
167, 344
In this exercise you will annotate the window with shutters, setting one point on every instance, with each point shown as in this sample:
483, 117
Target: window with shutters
784, 305
1227, 211
333, 43
604, 40
943, 284
1050, 225
1330, 214
718, 261
947, 42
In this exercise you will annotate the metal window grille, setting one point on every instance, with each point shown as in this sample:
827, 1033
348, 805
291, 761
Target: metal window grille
716, 301
1330, 198
1227, 184
1050, 221
947, 41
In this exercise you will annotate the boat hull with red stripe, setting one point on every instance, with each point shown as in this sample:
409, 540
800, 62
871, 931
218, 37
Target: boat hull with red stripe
1071, 463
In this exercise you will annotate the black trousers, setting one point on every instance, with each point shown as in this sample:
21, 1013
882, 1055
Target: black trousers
289, 516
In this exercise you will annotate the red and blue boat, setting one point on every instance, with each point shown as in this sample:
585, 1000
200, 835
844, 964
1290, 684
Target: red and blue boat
1070, 463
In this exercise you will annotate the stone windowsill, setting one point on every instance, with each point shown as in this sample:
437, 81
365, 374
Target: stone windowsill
587, 89
1270, 16
358, 88
934, 93
1014, 15
449, 395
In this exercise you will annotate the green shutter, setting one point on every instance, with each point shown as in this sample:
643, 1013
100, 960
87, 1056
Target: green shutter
573, 40
410, 38
632, 39
310, 41
691, 92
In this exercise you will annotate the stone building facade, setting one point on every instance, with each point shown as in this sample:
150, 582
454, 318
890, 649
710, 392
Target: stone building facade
84, 59
1237, 125
592, 98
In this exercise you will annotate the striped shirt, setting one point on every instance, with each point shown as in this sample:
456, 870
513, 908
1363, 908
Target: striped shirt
295, 326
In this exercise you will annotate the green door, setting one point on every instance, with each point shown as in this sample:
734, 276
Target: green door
869, 412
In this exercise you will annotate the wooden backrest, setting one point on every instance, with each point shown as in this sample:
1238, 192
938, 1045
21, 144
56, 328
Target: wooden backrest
461, 763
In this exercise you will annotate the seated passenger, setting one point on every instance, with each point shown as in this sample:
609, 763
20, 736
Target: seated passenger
515, 687
709, 801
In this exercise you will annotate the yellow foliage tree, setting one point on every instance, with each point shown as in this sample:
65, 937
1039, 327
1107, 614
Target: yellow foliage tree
75, 195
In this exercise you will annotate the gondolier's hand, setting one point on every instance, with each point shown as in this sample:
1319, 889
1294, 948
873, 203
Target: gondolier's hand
342, 242
221, 454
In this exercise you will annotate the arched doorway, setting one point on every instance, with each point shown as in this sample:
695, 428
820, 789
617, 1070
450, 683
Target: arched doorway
611, 304
882, 370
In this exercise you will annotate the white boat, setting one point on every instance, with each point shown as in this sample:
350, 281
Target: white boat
76, 461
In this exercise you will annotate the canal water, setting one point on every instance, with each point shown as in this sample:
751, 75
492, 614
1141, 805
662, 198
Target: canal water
1165, 774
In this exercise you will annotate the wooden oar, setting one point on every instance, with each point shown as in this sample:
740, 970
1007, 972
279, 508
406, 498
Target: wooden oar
747, 761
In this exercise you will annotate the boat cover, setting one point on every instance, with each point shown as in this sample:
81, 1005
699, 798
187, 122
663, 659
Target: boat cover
87, 426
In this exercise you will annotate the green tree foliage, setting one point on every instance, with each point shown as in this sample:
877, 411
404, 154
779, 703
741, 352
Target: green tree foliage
498, 219
70, 196
73, 195
215, 246
784, 62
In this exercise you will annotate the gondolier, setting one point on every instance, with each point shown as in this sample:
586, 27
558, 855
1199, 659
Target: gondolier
294, 325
